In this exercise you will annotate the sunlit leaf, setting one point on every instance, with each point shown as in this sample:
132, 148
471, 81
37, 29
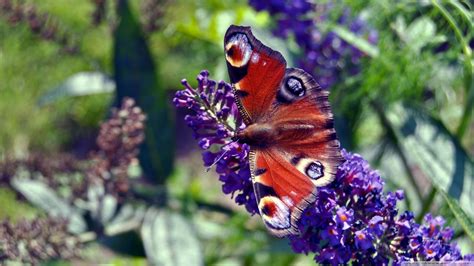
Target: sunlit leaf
45, 198
431, 148
169, 239
80, 84
108, 208
460, 215
355, 40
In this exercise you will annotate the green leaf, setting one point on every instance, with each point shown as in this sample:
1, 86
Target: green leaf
433, 150
466, 13
102, 207
419, 33
355, 40
80, 84
108, 208
169, 239
460, 215
45, 198
468, 65
136, 77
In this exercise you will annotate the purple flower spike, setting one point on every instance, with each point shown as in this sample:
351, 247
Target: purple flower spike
326, 55
214, 121
352, 219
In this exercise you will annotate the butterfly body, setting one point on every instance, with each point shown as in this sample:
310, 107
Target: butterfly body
290, 129
264, 135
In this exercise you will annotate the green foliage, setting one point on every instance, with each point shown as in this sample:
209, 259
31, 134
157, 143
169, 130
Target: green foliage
437, 154
412, 67
80, 84
356, 41
171, 234
463, 219
14, 209
135, 76
42, 196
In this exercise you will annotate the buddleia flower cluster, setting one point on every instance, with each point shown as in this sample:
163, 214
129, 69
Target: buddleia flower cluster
352, 219
118, 141
40, 239
214, 120
326, 55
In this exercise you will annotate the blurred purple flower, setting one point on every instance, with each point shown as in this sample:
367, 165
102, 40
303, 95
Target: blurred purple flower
325, 54
352, 219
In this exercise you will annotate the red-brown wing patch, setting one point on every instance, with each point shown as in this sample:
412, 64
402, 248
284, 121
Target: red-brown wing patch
307, 149
255, 70
282, 192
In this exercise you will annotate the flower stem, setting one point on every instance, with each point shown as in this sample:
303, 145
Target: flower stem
211, 112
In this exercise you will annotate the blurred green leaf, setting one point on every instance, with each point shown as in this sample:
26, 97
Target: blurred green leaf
135, 76
127, 214
108, 208
419, 33
208, 229
13, 208
468, 64
53, 263
430, 147
465, 9
80, 84
102, 207
460, 215
169, 239
45, 198
355, 40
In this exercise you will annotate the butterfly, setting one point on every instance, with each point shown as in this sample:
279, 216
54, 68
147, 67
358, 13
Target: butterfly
290, 129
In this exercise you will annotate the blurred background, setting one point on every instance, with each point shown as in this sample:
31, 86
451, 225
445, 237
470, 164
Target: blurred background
88, 132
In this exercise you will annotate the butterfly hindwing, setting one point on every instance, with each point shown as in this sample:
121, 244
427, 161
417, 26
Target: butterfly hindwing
304, 157
282, 193
319, 147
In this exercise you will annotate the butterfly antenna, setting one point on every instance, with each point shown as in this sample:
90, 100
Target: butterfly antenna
221, 156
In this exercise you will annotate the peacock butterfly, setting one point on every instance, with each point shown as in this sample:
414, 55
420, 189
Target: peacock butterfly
293, 145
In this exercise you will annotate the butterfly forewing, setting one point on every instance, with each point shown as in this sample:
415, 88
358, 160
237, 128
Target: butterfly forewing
255, 71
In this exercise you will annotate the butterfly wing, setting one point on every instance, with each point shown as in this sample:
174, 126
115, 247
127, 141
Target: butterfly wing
313, 150
305, 155
255, 71
282, 194
303, 151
